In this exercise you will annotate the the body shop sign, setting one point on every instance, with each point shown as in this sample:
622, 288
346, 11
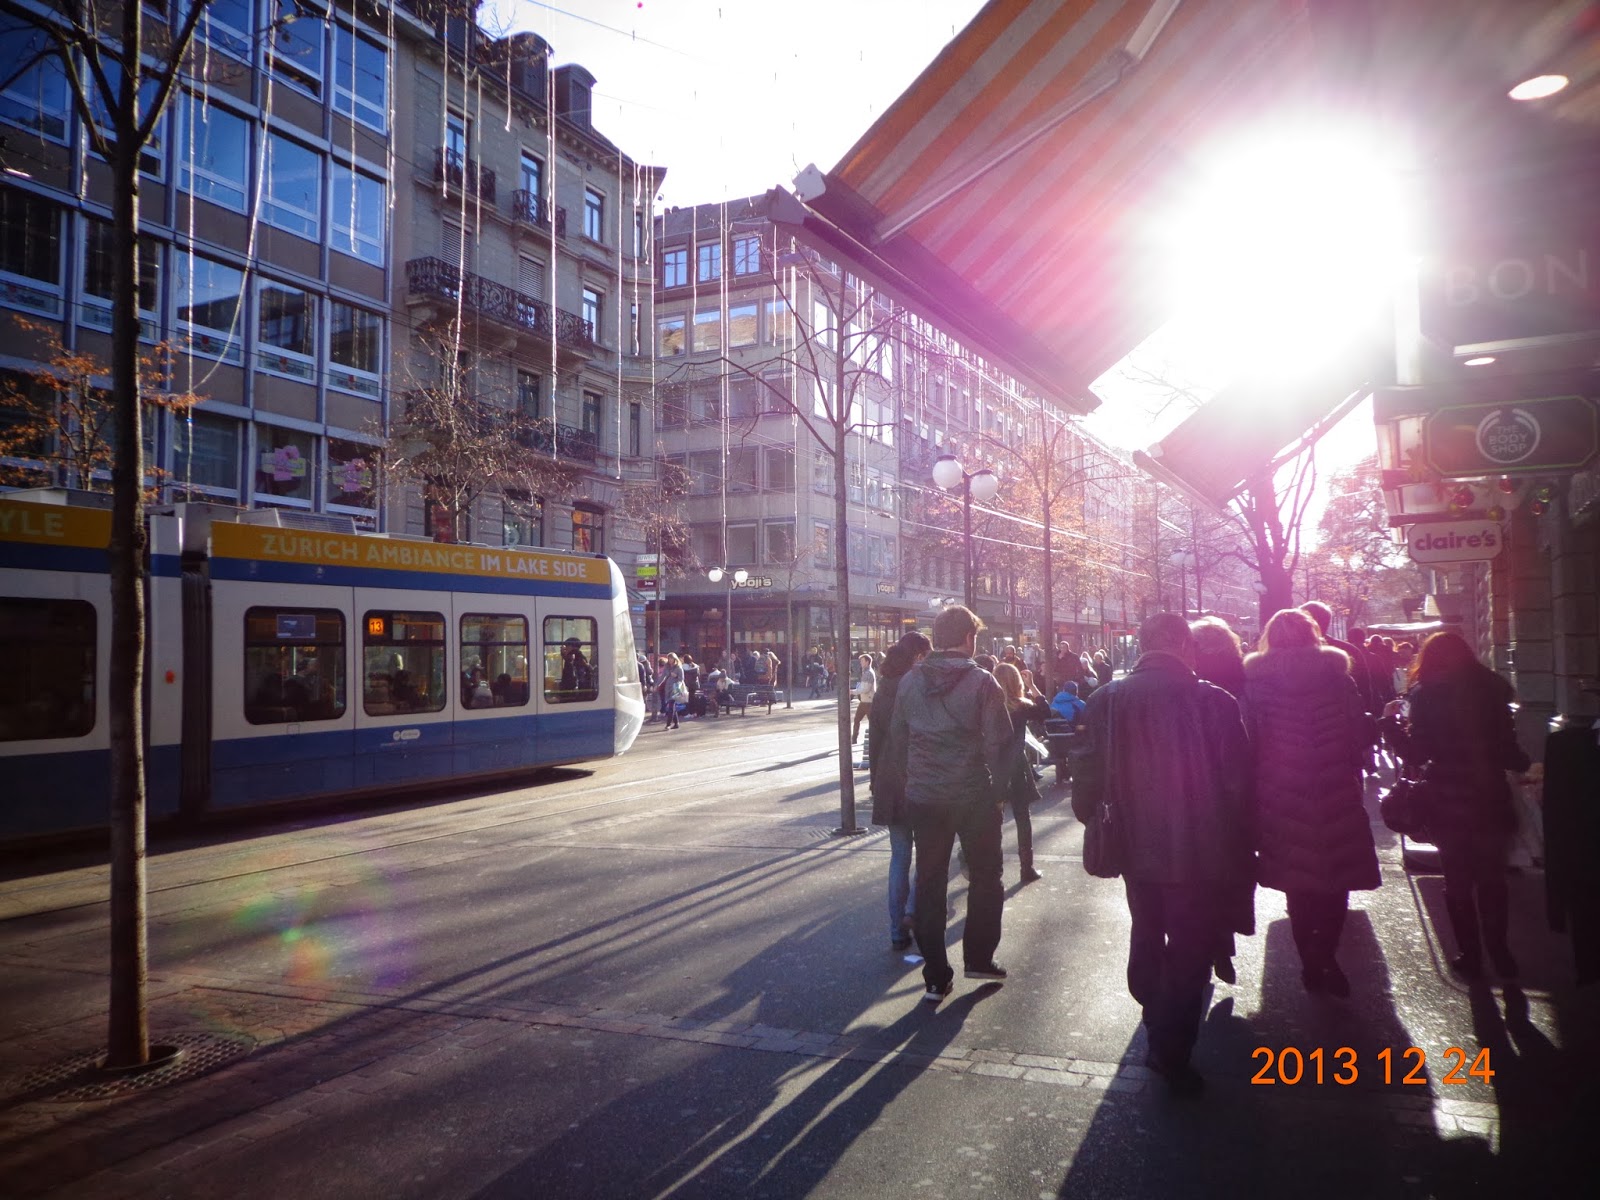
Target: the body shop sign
1455, 541
1514, 437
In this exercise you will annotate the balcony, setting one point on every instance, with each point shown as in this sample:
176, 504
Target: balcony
457, 170
569, 442
529, 208
440, 280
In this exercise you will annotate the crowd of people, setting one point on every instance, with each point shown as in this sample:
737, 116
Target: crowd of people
675, 686
1204, 773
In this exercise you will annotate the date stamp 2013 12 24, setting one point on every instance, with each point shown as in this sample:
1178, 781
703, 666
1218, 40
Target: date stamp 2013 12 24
1289, 1065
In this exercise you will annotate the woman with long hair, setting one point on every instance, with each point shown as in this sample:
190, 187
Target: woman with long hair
667, 685
1313, 838
1461, 726
1020, 789
888, 779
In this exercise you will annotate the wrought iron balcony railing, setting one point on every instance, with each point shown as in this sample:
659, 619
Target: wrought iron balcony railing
529, 208
568, 441
458, 170
497, 301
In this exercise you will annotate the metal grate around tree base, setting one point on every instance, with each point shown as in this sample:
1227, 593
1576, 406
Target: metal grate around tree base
81, 1077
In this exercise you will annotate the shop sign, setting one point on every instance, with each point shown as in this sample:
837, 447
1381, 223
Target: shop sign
1455, 541
755, 581
1513, 437
887, 589
1541, 282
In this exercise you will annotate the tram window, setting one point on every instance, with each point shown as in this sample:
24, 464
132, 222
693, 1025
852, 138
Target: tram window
494, 652
402, 663
569, 656
48, 647
293, 665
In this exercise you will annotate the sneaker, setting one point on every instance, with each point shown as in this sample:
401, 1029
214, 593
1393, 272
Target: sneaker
989, 970
938, 991
899, 943
1182, 1079
1029, 875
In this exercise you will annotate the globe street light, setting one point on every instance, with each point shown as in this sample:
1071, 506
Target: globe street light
980, 485
716, 575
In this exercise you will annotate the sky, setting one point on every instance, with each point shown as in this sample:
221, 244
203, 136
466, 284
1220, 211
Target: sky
733, 97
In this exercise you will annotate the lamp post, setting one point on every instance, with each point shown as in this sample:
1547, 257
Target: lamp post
1183, 559
980, 485
716, 575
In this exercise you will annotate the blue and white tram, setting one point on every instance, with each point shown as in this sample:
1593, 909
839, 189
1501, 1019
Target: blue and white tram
287, 664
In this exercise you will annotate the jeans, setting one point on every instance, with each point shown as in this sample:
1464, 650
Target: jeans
1476, 895
900, 897
936, 827
1170, 948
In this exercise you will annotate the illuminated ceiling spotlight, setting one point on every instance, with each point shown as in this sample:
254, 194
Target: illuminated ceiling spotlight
1483, 360
1539, 87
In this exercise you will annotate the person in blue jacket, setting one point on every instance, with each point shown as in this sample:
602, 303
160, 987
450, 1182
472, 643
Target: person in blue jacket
1067, 705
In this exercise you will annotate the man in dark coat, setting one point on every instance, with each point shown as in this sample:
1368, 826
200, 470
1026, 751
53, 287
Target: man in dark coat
951, 729
1167, 752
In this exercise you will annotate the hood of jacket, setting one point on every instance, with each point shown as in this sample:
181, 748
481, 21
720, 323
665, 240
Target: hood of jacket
945, 670
1301, 668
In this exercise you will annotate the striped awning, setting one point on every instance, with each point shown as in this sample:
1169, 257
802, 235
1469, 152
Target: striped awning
1011, 188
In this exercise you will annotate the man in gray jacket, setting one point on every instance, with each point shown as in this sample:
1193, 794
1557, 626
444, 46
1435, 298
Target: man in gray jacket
951, 729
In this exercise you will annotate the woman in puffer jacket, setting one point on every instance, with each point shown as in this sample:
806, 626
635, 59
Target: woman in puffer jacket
1313, 838
1461, 726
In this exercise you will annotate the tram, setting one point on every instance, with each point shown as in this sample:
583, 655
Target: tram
290, 664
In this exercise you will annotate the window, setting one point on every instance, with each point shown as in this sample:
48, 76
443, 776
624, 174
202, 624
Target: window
744, 398
780, 323
355, 349
822, 543
705, 402
705, 542
588, 529
593, 414
213, 153
593, 306
708, 330
705, 472
822, 474
205, 454
780, 543
208, 296
494, 660
37, 98
457, 246
49, 651
294, 668
360, 78
30, 252
638, 233
569, 658
293, 187
522, 519
229, 25
709, 263
594, 215
531, 176
359, 206
530, 277
283, 466
530, 398
675, 267
297, 45
287, 320
402, 663
742, 544
669, 337
351, 475
822, 326
746, 255
152, 158
742, 325
780, 468
457, 141
635, 429
858, 550
743, 464
98, 268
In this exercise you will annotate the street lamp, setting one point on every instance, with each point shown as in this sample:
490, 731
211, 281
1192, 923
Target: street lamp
1185, 559
716, 575
980, 485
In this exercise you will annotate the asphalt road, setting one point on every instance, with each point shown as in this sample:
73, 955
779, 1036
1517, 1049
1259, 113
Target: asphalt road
663, 977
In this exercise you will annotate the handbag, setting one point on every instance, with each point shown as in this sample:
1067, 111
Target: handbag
1405, 807
1102, 832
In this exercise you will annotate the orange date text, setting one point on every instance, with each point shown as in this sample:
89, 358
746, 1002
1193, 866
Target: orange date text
1290, 1065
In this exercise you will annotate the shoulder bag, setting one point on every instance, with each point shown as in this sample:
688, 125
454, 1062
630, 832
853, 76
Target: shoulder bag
1405, 806
1102, 832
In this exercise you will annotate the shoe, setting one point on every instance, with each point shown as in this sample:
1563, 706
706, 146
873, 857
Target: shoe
1182, 1079
938, 991
1505, 965
1223, 969
900, 943
1029, 875
1335, 981
1467, 966
989, 970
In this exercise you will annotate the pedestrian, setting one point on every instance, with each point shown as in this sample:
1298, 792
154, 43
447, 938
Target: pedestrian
1167, 755
691, 685
669, 687
1020, 789
1103, 671
888, 780
951, 728
1219, 659
865, 690
1313, 838
1067, 705
1461, 726
647, 680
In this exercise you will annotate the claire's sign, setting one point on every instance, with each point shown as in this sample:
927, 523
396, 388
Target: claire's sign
1455, 541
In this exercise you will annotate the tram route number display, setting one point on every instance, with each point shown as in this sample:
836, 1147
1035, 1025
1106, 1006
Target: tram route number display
1404, 1065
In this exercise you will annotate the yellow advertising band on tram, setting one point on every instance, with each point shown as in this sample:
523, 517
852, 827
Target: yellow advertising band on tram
346, 550
54, 524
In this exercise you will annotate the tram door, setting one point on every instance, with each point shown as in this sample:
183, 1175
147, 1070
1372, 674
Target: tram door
409, 686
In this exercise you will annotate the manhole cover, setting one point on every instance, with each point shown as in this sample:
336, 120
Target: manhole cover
80, 1078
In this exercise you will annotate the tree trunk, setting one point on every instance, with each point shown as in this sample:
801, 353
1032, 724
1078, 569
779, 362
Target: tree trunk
128, 1034
841, 569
